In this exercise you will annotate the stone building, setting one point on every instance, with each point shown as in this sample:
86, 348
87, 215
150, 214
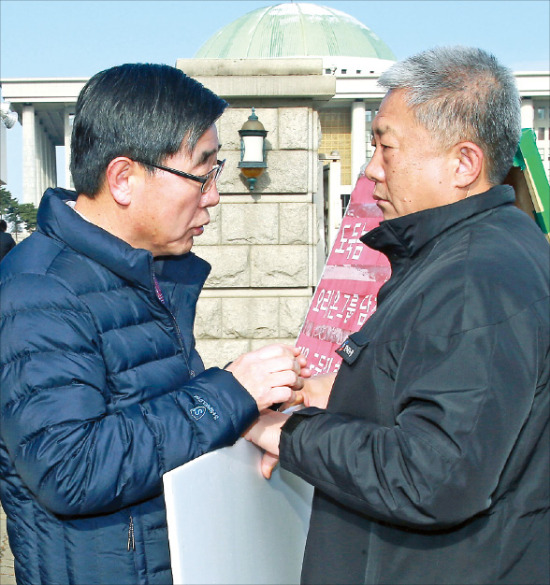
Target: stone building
310, 74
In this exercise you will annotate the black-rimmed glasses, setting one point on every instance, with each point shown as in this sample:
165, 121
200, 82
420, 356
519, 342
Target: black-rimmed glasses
206, 181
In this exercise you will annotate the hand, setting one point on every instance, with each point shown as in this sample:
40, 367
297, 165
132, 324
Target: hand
271, 374
266, 434
315, 392
268, 464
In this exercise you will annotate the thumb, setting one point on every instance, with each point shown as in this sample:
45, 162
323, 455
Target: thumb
269, 462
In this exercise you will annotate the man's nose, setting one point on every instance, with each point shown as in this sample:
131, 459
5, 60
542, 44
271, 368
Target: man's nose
212, 197
374, 170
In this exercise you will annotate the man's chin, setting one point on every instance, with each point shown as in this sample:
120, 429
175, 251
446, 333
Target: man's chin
184, 249
176, 249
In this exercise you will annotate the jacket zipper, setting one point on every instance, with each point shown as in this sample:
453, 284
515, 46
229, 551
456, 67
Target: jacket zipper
131, 538
178, 332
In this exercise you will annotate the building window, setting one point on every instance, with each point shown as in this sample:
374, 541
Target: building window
345, 197
540, 134
541, 113
336, 135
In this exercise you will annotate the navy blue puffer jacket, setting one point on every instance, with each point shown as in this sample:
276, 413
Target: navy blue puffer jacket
102, 392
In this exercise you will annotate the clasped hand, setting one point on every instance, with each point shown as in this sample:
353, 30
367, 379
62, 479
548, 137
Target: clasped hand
266, 431
272, 375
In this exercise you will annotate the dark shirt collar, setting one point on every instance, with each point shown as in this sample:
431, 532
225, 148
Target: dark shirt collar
405, 236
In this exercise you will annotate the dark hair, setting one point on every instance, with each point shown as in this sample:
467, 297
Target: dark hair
463, 93
143, 111
3, 225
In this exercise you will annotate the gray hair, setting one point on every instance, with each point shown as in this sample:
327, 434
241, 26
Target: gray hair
462, 93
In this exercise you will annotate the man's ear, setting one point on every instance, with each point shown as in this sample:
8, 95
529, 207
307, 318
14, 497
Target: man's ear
469, 164
119, 176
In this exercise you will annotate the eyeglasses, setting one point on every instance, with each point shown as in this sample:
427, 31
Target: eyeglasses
206, 181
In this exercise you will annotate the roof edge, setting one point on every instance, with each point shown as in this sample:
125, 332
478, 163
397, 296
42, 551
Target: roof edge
201, 67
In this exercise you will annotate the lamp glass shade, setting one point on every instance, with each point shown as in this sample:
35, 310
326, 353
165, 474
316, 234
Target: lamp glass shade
253, 149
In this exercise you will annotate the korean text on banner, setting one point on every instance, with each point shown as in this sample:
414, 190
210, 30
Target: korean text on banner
346, 295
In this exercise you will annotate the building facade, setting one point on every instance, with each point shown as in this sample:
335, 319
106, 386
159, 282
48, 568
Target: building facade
310, 73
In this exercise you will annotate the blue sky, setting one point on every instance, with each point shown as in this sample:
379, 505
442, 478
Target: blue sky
77, 38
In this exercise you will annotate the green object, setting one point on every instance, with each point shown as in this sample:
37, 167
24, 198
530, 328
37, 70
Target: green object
295, 30
528, 160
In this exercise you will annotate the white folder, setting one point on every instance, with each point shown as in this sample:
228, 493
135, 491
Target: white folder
228, 525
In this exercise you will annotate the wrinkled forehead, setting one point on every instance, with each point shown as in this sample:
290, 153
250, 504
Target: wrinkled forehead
394, 115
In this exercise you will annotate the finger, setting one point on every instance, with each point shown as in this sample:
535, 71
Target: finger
299, 384
296, 399
286, 378
275, 350
268, 464
279, 364
298, 352
305, 372
280, 394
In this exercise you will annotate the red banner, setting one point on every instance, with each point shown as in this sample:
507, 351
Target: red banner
346, 294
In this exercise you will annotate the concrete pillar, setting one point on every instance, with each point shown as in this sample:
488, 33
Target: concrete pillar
334, 218
29, 154
318, 225
527, 113
52, 165
41, 161
69, 111
48, 161
358, 133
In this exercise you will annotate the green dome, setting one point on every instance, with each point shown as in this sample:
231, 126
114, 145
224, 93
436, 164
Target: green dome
295, 30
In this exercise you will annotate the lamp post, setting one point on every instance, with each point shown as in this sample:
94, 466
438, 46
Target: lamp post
252, 163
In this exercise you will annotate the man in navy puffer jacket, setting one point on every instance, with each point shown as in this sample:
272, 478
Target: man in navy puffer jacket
102, 390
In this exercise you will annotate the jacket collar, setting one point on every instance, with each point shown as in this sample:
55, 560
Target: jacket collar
57, 220
407, 235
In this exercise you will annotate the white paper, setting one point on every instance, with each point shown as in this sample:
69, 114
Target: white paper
227, 524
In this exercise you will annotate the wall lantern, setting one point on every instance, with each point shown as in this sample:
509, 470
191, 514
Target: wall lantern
252, 163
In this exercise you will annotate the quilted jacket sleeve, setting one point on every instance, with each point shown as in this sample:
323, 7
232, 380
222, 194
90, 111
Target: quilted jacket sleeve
78, 455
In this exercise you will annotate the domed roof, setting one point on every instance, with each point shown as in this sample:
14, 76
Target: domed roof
295, 30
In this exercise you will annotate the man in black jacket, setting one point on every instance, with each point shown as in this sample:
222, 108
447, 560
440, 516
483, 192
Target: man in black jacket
6, 241
430, 457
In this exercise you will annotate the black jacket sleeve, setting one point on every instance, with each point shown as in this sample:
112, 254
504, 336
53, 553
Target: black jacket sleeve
461, 404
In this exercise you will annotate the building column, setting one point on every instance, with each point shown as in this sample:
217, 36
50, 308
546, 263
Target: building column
334, 215
45, 162
40, 161
69, 111
358, 139
29, 154
527, 113
52, 164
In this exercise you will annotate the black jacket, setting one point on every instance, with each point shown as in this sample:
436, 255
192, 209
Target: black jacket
6, 244
431, 462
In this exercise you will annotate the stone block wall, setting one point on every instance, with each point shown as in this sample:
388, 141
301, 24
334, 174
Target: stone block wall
263, 244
